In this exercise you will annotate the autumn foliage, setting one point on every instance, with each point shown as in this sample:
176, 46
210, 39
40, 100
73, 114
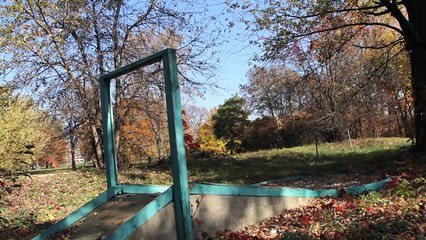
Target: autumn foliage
376, 215
208, 141
190, 144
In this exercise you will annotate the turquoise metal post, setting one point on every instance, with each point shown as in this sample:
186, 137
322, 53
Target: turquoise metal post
108, 132
177, 148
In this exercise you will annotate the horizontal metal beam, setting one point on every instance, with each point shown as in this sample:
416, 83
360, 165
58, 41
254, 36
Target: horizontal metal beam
375, 186
263, 191
232, 190
139, 188
135, 65
199, 189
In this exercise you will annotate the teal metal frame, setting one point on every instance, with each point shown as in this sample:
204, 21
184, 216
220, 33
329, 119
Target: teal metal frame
179, 192
177, 145
263, 191
153, 207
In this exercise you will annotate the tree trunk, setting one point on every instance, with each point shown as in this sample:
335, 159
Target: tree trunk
416, 46
73, 164
97, 145
418, 81
415, 36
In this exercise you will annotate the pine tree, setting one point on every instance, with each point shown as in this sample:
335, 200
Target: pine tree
230, 122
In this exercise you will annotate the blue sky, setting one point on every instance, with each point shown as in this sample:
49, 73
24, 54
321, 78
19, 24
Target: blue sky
235, 56
230, 75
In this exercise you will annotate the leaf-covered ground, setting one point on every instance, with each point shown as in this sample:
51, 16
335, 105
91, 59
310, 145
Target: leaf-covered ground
397, 212
47, 198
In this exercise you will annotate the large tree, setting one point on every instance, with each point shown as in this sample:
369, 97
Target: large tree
289, 23
61, 47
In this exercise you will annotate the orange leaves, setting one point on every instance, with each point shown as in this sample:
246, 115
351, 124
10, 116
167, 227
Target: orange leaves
340, 208
143, 132
184, 122
138, 130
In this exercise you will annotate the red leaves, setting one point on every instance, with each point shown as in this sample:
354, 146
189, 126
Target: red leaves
339, 235
52, 162
5, 184
394, 182
370, 210
397, 180
189, 142
193, 146
406, 175
185, 124
237, 236
340, 208
305, 220
376, 215
188, 138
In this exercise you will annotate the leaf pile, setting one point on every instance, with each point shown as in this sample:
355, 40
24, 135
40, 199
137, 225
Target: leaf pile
397, 212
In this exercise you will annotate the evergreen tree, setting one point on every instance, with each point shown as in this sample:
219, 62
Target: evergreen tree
230, 122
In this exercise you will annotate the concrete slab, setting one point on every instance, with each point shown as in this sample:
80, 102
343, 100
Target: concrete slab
214, 208
107, 217
212, 213
161, 226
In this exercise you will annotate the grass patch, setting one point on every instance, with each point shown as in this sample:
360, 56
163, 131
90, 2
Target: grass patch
252, 167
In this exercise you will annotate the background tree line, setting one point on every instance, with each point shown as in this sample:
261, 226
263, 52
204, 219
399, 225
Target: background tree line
326, 68
330, 87
316, 33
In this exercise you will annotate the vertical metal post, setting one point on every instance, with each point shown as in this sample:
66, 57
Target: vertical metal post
177, 148
108, 132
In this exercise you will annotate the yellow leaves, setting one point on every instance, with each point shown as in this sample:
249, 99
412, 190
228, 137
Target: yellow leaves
208, 141
21, 124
